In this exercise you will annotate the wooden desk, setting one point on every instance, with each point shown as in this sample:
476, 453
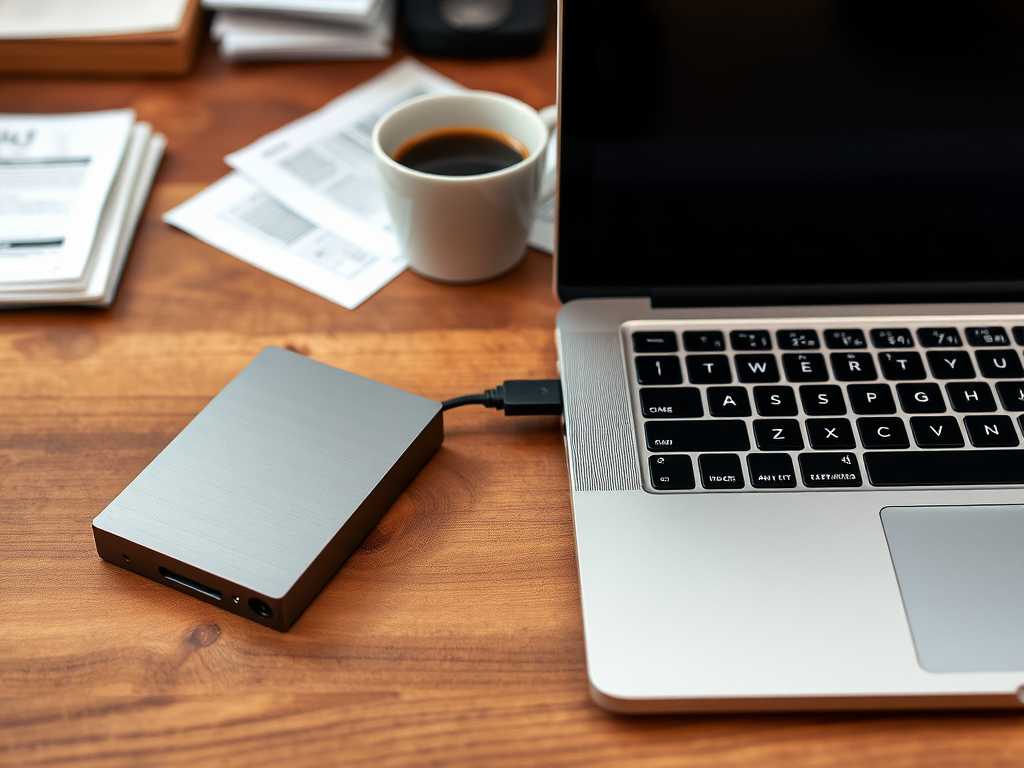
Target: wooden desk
451, 637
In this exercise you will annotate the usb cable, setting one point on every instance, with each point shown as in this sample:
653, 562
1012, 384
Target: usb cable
537, 397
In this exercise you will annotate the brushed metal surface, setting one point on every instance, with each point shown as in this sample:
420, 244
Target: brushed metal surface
272, 485
599, 428
711, 602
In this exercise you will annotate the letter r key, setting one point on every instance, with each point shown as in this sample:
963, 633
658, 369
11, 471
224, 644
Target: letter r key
854, 366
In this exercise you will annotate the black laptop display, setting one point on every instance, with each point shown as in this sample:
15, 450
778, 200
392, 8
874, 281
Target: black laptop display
736, 152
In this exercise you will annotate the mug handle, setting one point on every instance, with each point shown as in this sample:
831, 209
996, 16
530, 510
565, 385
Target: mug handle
549, 116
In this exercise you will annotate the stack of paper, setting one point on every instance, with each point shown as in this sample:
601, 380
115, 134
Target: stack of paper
305, 203
341, 246
99, 36
265, 30
66, 18
72, 188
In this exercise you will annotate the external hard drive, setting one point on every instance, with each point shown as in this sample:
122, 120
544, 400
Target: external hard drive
262, 497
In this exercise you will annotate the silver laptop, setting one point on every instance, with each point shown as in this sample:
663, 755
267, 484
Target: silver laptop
791, 246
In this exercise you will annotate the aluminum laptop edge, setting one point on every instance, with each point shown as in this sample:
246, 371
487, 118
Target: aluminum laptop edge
751, 594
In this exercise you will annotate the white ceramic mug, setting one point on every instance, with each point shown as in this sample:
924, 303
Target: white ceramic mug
464, 229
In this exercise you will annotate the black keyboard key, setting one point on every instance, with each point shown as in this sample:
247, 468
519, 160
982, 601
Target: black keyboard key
991, 336
823, 400
830, 470
975, 397
671, 403
672, 473
703, 341
892, 338
775, 401
888, 432
771, 470
901, 366
829, 434
696, 436
853, 366
778, 435
936, 432
871, 398
921, 398
720, 471
939, 337
805, 339
756, 340
708, 369
999, 364
1011, 393
756, 368
805, 367
955, 364
945, 468
659, 370
654, 341
845, 338
728, 401
991, 431
1018, 334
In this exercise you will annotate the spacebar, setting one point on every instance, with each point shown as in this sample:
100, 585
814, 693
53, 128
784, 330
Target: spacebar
945, 468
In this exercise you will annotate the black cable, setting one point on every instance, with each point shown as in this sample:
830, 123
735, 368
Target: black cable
455, 402
539, 397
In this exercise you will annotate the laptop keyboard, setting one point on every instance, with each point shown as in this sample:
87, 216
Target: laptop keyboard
762, 407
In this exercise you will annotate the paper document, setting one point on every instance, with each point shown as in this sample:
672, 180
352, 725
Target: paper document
323, 164
37, 19
542, 234
247, 36
341, 11
103, 286
114, 236
236, 217
56, 172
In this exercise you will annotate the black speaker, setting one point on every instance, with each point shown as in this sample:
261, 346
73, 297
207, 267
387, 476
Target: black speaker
474, 28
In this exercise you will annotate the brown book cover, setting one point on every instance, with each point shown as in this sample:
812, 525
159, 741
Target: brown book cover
151, 53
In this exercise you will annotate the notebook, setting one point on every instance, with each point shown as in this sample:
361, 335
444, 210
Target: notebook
790, 243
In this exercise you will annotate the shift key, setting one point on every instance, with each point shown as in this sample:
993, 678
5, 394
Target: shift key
703, 436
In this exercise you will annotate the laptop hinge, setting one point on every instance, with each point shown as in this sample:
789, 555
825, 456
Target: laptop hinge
784, 295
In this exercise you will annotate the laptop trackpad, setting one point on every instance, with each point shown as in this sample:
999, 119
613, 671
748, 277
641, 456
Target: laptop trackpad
961, 573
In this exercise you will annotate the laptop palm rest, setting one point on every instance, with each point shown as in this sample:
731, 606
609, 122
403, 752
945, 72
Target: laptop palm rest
961, 574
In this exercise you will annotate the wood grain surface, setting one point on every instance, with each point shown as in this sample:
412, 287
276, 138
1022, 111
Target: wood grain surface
452, 637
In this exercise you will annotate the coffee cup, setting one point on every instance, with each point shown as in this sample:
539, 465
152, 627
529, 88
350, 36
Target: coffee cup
461, 209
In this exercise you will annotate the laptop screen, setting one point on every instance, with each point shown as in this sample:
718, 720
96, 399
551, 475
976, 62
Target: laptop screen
718, 152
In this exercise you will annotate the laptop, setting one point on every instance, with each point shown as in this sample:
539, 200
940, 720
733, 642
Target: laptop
790, 247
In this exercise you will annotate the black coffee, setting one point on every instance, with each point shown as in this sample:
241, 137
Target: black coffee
460, 151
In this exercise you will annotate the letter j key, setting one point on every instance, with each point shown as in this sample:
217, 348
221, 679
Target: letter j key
1011, 393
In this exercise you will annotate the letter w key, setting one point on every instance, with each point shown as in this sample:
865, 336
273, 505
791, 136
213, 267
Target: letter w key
757, 368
